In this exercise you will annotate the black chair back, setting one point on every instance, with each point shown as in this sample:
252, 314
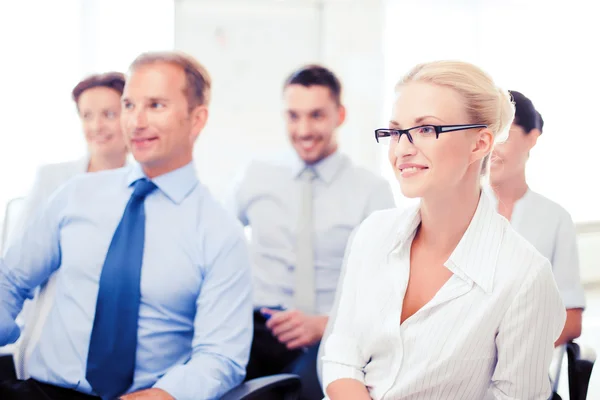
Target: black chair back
580, 371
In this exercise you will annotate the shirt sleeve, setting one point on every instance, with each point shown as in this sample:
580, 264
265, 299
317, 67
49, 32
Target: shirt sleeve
381, 198
342, 355
222, 330
336, 302
525, 340
32, 255
565, 264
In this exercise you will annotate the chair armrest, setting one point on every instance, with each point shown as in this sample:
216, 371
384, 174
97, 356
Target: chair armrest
587, 353
581, 352
282, 386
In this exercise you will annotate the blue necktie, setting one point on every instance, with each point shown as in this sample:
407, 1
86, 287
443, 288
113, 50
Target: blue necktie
113, 343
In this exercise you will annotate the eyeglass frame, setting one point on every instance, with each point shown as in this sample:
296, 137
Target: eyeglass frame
438, 129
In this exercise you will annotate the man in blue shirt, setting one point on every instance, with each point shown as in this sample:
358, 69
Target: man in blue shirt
153, 294
301, 209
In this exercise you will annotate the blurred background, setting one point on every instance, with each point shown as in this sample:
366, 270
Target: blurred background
543, 49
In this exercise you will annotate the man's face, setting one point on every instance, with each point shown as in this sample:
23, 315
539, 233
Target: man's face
157, 121
312, 117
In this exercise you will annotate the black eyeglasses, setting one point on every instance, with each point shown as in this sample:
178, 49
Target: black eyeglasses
385, 135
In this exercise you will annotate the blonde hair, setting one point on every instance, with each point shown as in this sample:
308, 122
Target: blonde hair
485, 102
198, 81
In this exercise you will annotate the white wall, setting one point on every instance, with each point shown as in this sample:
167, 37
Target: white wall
588, 242
251, 46
547, 50
47, 48
39, 64
116, 31
352, 46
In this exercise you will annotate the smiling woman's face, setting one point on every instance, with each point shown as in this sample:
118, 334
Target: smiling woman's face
100, 112
430, 164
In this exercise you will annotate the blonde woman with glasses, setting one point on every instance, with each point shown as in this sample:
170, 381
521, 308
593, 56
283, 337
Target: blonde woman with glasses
443, 300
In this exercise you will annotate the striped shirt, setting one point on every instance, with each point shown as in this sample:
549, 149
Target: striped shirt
549, 227
492, 326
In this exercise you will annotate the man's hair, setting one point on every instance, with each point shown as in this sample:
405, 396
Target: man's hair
111, 80
316, 75
198, 82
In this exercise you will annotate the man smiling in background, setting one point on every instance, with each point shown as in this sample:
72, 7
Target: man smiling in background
301, 210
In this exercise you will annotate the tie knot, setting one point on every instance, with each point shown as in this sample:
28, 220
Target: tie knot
308, 174
142, 188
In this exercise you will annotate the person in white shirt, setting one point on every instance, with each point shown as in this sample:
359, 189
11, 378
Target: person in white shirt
301, 209
544, 223
98, 102
443, 300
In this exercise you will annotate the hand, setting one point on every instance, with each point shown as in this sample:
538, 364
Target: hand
148, 394
294, 328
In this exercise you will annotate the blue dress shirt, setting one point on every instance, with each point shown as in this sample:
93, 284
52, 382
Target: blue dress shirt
267, 196
195, 322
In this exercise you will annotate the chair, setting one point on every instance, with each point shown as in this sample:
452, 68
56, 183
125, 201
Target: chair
276, 387
581, 361
7, 367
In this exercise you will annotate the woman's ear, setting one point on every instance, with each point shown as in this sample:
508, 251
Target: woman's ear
483, 145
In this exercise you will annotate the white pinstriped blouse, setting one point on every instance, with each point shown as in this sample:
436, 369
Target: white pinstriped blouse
492, 326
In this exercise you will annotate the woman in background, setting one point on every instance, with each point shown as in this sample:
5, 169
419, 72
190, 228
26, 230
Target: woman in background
98, 101
545, 224
443, 300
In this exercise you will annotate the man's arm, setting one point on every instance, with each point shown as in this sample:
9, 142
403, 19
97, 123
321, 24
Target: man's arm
565, 266
572, 329
296, 329
31, 257
222, 329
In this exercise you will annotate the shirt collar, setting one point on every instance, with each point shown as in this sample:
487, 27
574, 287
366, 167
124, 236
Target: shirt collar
176, 185
476, 254
326, 169
84, 162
